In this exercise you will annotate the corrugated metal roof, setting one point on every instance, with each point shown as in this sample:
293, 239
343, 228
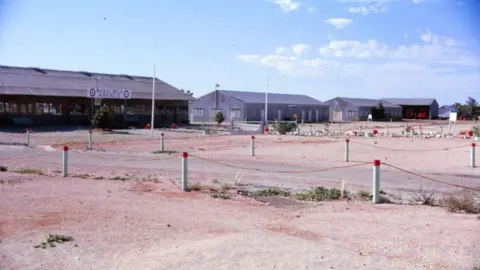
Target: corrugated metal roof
410, 101
273, 98
28, 81
365, 102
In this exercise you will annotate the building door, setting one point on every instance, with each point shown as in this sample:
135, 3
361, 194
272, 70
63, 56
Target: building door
337, 115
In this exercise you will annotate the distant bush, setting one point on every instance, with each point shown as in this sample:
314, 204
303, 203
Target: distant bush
319, 194
285, 127
219, 118
101, 119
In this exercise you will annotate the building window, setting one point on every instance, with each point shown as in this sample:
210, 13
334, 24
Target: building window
198, 112
234, 113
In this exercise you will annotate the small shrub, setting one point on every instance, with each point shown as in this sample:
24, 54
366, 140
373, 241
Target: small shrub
320, 194
83, 176
219, 118
3, 168
284, 127
30, 171
222, 196
54, 238
384, 199
119, 178
271, 192
195, 187
466, 204
101, 118
425, 197
364, 195
168, 152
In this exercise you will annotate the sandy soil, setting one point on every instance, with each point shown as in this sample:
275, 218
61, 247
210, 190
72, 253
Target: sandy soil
142, 221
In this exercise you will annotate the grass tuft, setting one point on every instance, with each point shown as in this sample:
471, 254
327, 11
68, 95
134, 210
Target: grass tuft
120, 178
30, 171
465, 204
83, 176
271, 192
222, 196
53, 239
168, 152
320, 194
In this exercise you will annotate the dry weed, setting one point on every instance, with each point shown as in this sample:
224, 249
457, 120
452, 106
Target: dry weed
466, 203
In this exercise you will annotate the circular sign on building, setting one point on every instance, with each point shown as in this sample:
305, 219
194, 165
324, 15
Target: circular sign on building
92, 92
126, 93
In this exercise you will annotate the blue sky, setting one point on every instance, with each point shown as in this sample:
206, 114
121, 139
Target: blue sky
328, 48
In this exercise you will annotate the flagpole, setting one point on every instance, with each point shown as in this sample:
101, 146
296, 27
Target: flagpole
266, 104
153, 103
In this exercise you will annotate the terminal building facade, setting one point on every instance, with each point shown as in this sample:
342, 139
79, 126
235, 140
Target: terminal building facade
40, 97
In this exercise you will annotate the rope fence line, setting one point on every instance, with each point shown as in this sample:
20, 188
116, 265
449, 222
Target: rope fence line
278, 171
27, 157
412, 150
431, 179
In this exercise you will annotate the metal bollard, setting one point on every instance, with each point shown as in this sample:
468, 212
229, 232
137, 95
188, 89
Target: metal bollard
376, 181
27, 137
184, 171
347, 149
89, 140
252, 145
65, 161
162, 142
472, 156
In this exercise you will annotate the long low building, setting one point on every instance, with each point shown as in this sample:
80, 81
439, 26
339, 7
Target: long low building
35, 96
249, 106
416, 108
354, 109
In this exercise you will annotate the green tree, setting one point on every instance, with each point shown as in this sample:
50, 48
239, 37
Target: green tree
470, 104
219, 118
101, 119
188, 92
378, 111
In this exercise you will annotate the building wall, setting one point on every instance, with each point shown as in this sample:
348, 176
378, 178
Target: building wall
343, 111
206, 107
349, 112
307, 113
58, 111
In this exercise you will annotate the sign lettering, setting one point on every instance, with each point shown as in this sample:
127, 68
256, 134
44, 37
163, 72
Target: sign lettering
109, 93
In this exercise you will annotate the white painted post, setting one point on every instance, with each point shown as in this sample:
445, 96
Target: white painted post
347, 149
89, 140
252, 145
162, 142
65, 161
376, 181
27, 137
387, 130
472, 156
184, 171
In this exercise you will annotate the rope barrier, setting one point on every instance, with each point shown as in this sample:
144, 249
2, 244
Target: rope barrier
431, 179
279, 171
27, 157
412, 150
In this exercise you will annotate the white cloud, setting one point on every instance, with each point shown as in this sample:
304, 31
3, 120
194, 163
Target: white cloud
339, 23
418, 1
300, 49
312, 10
286, 5
365, 10
435, 62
